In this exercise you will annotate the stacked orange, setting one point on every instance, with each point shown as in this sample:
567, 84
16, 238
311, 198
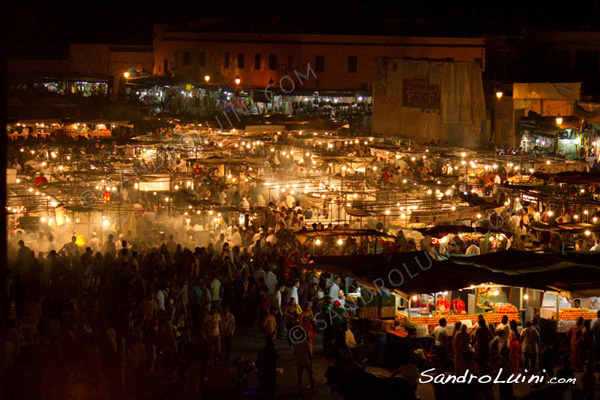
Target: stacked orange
509, 309
399, 333
453, 318
574, 313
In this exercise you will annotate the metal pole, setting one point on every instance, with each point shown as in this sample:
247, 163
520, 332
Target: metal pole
409, 307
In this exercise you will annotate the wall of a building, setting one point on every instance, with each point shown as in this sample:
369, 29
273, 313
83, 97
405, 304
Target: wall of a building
171, 44
109, 60
425, 100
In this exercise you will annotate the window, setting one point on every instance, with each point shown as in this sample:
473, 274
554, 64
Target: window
586, 62
504, 131
320, 64
290, 63
226, 61
257, 62
166, 65
186, 58
241, 61
352, 64
273, 62
202, 59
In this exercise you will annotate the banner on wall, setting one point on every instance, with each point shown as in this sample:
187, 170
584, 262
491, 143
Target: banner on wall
547, 91
555, 168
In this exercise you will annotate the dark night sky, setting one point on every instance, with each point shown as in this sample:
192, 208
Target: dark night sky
34, 26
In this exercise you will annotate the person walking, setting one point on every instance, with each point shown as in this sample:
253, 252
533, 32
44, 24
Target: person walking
530, 338
292, 313
461, 346
304, 355
228, 331
213, 328
441, 344
269, 326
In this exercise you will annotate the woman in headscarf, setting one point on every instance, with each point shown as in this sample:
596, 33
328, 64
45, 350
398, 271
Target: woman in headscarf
576, 335
461, 347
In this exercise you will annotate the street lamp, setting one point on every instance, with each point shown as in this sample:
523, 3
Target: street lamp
559, 120
237, 80
206, 78
499, 94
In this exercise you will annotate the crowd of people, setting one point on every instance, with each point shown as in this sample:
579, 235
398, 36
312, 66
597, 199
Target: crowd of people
119, 311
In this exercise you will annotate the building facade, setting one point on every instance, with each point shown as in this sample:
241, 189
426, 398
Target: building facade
339, 62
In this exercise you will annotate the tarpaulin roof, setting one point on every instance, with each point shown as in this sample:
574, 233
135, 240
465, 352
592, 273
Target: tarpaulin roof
572, 227
572, 177
305, 235
574, 274
441, 231
355, 212
411, 273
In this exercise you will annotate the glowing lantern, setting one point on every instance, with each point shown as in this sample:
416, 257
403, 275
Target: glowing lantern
106, 196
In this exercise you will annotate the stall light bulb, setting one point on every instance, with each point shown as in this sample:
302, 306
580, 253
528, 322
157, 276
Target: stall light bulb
105, 222
526, 296
340, 242
318, 242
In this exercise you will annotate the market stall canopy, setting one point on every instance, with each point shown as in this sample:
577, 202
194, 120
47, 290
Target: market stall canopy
410, 273
573, 274
572, 227
588, 111
571, 177
444, 230
303, 236
357, 212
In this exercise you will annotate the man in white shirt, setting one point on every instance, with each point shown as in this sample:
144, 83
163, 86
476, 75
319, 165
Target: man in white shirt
160, 299
260, 273
235, 238
276, 302
119, 243
334, 290
503, 331
270, 280
223, 197
271, 236
94, 243
293, 292
215, 291
258, 236
245, 204
473, 250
